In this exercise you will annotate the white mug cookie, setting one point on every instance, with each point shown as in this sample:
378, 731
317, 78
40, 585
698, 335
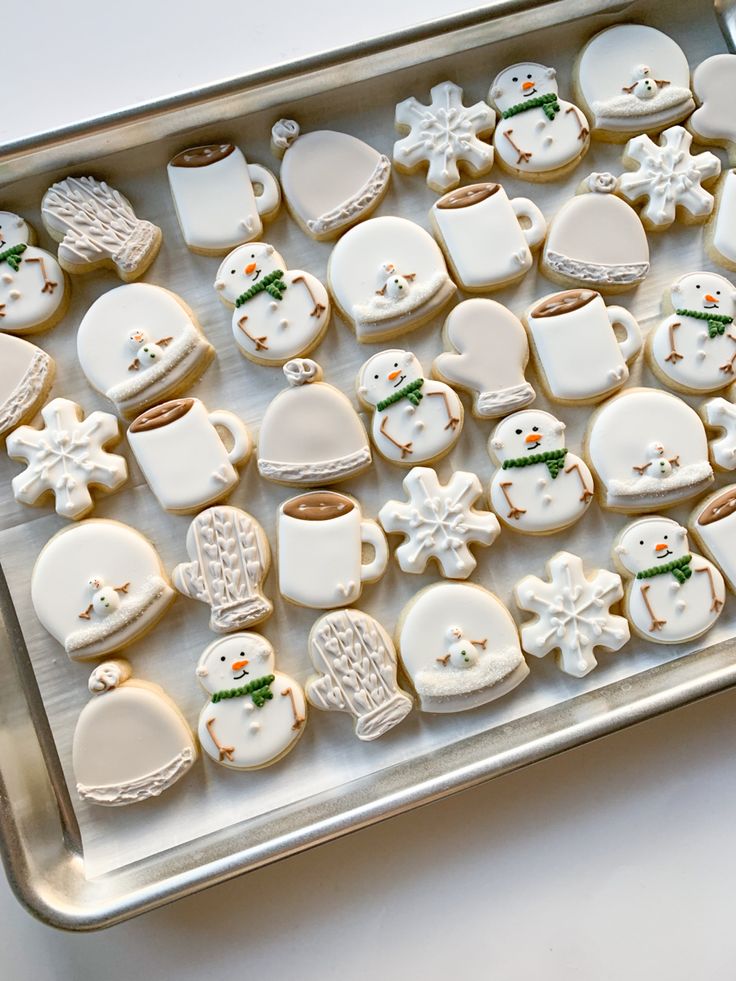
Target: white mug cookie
713, 524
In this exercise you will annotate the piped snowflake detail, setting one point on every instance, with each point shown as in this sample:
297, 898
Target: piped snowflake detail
440, 522
66, 456
573, 614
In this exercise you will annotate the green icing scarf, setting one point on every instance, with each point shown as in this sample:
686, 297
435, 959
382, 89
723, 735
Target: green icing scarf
554, 459
259, 689
680, 569
13, 255
271, 283
717, 322
410, 392
548, 103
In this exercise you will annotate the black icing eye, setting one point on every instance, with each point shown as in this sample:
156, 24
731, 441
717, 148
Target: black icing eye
665, 538
697, 286
222, 658
232, 272
518, 432
528, 76
515, 79
641, 542
396, 363
376, 377
718, 292
535, 429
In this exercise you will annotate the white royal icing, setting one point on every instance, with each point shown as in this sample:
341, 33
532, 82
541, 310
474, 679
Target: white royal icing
714, 82
14, 230
33, 288
721, 414
25, 374
724, 229
713, 524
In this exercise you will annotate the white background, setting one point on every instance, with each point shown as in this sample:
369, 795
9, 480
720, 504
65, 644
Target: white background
616, 860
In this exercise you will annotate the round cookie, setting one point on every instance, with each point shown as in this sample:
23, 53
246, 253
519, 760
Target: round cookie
26, 375
34, 291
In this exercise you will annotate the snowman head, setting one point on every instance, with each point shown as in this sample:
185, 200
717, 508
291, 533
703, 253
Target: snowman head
462, 652
105, 599
706, 292
233, 661
525, 433
522, 82
649, 542
13, 230
386, 373
244, 266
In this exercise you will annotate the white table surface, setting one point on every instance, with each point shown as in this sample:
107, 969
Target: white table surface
614, 861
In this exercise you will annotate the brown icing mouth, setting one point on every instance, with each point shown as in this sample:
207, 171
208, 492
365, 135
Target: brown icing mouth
464, 197
565, 302
202, 156
719, 507
318, 506
161, 415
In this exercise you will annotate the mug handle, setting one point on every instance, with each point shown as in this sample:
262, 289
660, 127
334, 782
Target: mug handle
268, 201
371, 534
524, 208
242, 443
631, 344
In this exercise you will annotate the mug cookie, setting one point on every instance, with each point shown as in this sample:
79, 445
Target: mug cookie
721, 232
98, 586
714, 121
34, 291
459, 647
26, 375
443, 137
720, 414
713, 525
221, 201
355, 661
573, 614
255, 714
96, 227
278, 314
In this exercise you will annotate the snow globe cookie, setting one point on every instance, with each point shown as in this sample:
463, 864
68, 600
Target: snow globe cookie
633, 79
577, 254
647, 449
355, 661
221, 201
96, 228
672, 595
131, 742
388, 276
540, 487
140, 344
714, 121
719, 414
487, 238
443, 137
97, 586
26, 375
721, 232
415, 419
34, 291
573, 614
229, 560
576, 350
330, 180
459, 647
255, 714
279, 313
713, 525
694, 349
310, 433
539, 136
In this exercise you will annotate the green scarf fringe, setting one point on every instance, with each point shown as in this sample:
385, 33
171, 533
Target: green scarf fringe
717, 322
259, 689
554, 460
549, 103
410, 391
680, 569
13, 255
271, 283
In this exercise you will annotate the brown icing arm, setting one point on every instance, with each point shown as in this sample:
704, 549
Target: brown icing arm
298, 719
716, 604
514, 512
404, 447
656, 623
224, 751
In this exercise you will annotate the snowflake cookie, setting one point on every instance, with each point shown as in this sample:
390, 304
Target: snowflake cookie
439, 522
67, 457
444, 136
573, 614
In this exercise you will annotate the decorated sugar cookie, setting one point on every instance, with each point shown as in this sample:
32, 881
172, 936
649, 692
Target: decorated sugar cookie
674, 595
15, 231
694, 349
26, 375
459, 647
182, 455
387, 276
415, 419
98, 586
669, 180
720, 415
633, 79
577, 254
575, 346
487, 357
487, 238
440, 522
67, 457
96, 227
221, 201
714, 121
539, 136
647, 449
444, 137
255, 714
573, 614
310, 433
279, 314
540, 486
352, 177
321, 538
229, 559
355, 661
713, 525
34, 292
721, 233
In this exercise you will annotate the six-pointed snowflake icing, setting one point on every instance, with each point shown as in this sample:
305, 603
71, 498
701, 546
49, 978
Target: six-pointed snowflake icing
66, 456
669, 176
573, 614
443, 134
439, 521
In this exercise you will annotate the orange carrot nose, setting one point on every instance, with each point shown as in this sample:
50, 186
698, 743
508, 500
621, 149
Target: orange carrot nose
662, 547
394, 375
237, 665
532, 438
526, 86
250, 268
711, 299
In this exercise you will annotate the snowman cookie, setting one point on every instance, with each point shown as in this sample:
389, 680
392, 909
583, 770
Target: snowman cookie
694, 349
34, 291
255, 714
539, 136
131, 742
388, 276
278, 314
26, 375
720, 240
674, 595
459, 647
713, 525
415, 419
540, 487
714, 121
98, 586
